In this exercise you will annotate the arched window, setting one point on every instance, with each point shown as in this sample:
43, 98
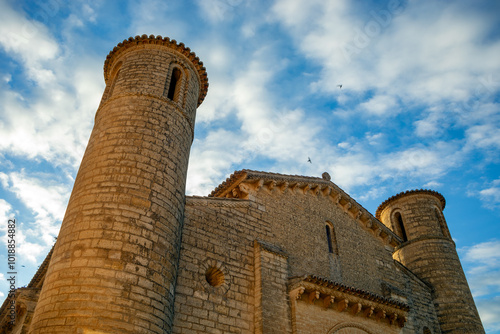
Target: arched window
427, 331
399, 227
174, 86
331, 239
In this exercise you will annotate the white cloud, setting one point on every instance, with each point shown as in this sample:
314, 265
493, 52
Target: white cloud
379, 105
489, 310
47, 200
210, 158
400, 55
5, 212
482, 263
218, 10
28, 40
484, 136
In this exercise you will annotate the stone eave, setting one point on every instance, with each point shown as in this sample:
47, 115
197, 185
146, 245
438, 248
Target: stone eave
332, 295
246, 183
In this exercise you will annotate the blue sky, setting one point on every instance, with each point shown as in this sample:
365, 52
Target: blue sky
419, 105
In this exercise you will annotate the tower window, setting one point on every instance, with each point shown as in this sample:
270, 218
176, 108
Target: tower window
173, 89
400, 227
330, 238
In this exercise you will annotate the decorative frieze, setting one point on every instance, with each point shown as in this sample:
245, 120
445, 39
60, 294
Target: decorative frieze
340, 298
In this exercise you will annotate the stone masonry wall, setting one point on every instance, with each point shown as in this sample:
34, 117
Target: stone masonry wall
431, 255
362, 260
113, 269
218, 246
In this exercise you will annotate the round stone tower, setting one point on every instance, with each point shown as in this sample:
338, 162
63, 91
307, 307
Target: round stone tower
115, 261
429, 252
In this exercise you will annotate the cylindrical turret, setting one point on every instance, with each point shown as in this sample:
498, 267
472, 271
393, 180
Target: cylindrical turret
115, 261
429, 252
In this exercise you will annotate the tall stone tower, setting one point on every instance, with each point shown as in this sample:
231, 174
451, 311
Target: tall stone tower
115, 261
429, 252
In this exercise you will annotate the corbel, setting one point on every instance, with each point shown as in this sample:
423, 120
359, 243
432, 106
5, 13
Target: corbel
259, 184
315, 190
380, 315
343, 304
369, 311
338, 198
393, 318
327, 191
356, 308
328, 300
369, 224
283, 187
313, 295
244, 190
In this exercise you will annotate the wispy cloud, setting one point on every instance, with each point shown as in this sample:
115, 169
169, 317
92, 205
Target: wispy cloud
46, 199
483, 272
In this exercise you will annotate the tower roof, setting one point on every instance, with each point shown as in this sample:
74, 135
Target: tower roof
159, 40
406, 193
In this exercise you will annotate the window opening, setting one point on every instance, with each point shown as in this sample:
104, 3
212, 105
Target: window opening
174, 86
329, 238
401, 226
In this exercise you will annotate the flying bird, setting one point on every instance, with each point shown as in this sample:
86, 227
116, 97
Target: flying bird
309, 160
339, 86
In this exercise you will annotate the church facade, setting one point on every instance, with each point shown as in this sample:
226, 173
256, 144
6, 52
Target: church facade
263, 253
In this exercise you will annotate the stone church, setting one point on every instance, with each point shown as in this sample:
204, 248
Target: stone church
263, 253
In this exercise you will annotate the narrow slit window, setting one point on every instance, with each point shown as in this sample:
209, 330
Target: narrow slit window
329, 238
173, 89
401, 226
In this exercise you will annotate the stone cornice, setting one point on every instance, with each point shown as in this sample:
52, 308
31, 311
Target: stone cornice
165, 41
408, 193
332, 295
245, 182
